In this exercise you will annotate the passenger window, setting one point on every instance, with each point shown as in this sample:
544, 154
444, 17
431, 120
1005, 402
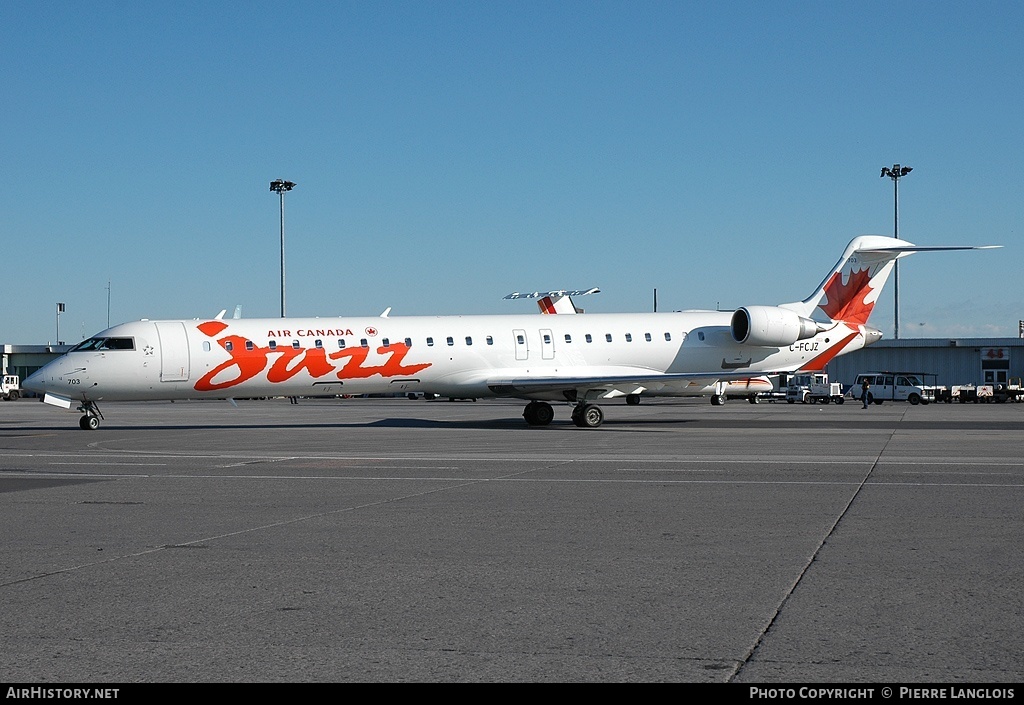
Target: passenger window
629, 337
363, 343
295, 344
386, 342
229, 346
668, 336
430, 342
568, 338
206, 346
589, 338
341, 343
608, 337
490, 340
469, 340
318, 343
547, 338
249, 345
521, 339
647, 337
408, 342
273, 345
450, 340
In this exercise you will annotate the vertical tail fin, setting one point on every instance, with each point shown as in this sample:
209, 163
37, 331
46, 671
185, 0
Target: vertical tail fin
852, 288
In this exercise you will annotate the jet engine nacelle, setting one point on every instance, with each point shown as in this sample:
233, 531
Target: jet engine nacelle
770, 326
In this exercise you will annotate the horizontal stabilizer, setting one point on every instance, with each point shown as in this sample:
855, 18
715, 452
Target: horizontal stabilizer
936, 248
559, 301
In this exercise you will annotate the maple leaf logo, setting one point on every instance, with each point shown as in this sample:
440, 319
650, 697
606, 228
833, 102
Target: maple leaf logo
211, 328
848, 302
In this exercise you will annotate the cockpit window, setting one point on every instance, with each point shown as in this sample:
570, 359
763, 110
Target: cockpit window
105, 344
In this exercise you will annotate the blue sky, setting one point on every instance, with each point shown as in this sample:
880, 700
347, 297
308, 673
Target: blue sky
448, 153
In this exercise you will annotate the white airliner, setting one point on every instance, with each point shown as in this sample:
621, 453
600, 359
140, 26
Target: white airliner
577, 358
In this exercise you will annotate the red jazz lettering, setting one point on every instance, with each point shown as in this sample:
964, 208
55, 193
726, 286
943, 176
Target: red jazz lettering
244, 364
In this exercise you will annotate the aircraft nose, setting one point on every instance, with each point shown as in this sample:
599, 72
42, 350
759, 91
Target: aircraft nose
36, 382
56, 377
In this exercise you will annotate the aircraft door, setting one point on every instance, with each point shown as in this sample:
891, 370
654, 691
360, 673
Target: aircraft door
174, 357
547, 344
522, 347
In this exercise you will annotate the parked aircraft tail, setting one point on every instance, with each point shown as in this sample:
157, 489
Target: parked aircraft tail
852, 288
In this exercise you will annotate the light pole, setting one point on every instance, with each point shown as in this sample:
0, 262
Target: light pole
60, 310
895, 173
280, 186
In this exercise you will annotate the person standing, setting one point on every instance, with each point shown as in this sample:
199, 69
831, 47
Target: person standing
864, 387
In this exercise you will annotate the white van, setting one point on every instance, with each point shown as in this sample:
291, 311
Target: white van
894, 386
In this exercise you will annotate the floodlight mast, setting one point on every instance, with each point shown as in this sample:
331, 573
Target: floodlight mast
895, 173
280, 187
60, 310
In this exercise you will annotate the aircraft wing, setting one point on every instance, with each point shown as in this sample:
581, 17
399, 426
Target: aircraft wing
512, 386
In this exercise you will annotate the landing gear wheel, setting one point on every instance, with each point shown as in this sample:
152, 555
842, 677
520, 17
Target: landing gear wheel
90, 420
538, 413
754, 399
717, 399
588, 416
632, 399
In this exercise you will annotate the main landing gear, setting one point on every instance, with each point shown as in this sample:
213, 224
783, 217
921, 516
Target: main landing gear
587, 415
91, 420
540, 413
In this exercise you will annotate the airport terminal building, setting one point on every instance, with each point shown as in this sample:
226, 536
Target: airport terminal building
23, 360
944, 361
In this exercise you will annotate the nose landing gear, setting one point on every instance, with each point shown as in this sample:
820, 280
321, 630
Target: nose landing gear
91, 419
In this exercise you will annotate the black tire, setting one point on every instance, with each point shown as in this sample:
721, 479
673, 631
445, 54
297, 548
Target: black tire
590, 416
543, 414
538, 413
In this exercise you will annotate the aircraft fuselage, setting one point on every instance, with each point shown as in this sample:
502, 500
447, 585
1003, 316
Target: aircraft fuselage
445, 355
